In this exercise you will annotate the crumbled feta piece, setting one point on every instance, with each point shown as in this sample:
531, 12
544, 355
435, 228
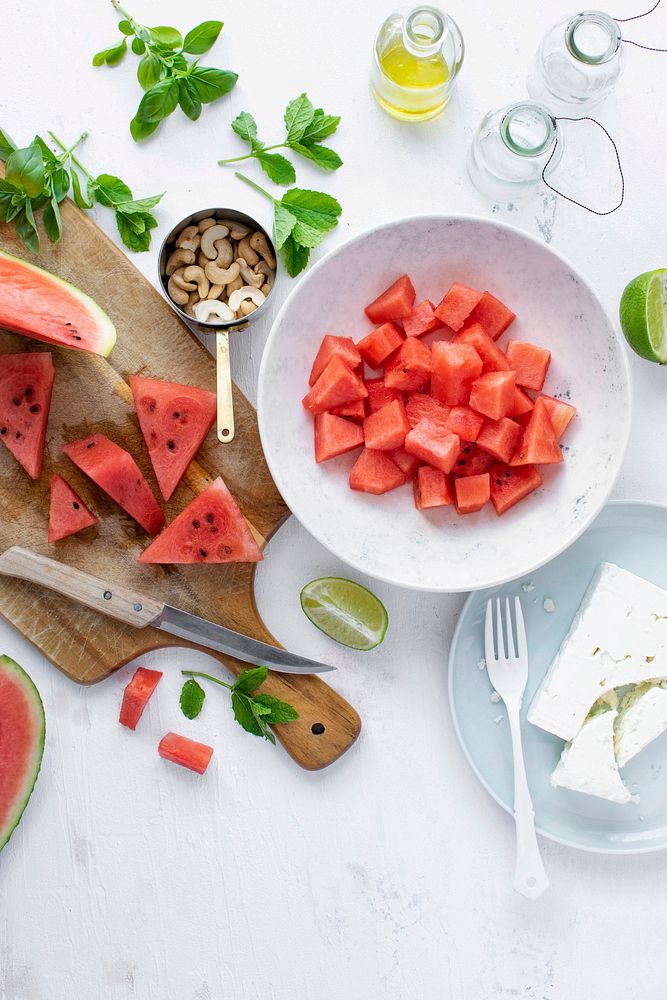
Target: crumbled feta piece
548, 605
495, 697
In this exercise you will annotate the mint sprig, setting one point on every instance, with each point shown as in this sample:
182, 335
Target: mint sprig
306, 127
254, 712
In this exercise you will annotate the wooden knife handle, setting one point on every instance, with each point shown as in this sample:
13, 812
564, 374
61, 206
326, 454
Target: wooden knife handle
111, 599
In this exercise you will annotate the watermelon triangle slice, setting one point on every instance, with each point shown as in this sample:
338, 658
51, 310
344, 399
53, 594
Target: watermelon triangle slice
116, 472
174, 420
22, 729
211, 529
68, 513
26, 383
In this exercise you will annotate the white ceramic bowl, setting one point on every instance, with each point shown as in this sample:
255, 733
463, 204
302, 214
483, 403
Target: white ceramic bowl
386, 536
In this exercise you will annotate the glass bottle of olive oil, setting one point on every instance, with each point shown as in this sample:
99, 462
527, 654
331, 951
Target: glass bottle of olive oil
418, 54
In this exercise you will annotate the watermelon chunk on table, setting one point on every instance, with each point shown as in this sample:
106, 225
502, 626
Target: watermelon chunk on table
376, 347
421, 405
211, 529
336, 386
456, 305
465, 422
188, 753
380, 394
560, 414
174, 421
394, 303
68, 513
538, 444
137, 694
431, 443
455, 367
472, 493
510, 485
493, 359
529, 362
493, 394
499, 438
344, 347
335, 436
115, 471
374, 472
385, 429
492, 315
26, 384
432, 488
409, 368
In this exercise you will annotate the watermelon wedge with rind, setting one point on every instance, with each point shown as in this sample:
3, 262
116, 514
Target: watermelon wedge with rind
26, 383
68, 513
22, 732
211, 529
41, 305
174, 421
116, 472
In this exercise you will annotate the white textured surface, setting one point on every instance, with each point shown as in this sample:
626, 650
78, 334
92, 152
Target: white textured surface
388, 875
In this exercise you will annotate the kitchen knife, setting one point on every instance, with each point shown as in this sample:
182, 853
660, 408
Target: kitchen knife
141, 611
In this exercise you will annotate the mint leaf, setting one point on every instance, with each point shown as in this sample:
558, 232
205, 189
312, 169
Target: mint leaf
140, 205
245, 126
316, 213
324, 157
278, 711
244, 715
137, 239
249, 680
192, 699
202, 38
298, 115
212, 83
295, 256
320, 127
278, 167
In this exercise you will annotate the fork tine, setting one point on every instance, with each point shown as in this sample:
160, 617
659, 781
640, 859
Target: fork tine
488, 633
500, 638
522, 648
511, 640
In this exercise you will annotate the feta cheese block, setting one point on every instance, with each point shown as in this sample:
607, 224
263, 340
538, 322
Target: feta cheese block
588, 763
618, 637
642, 718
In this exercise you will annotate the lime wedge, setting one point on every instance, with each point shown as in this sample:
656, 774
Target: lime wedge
345, 611
643, 314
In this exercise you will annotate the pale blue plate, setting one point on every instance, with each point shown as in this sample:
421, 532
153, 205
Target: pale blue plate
632, 534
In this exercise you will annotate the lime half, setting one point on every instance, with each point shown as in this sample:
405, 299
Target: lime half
643, 313
345, 611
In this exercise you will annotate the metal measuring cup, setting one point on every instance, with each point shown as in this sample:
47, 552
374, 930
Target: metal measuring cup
221, 328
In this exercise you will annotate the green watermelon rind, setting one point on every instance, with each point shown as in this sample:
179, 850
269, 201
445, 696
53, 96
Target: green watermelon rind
6, 663
107, 339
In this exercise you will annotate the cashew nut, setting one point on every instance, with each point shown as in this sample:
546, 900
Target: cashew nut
266, 288
202, 259
178, 295
215, 291
212, 234
237, 230
249, 275
247, 292
263, 268
225, 252
212, 311
234, 285
179, 258
247, 307
185, 235
221, 276
246, 251
206, 224
259, 242
193, 299
178, 278
196, 274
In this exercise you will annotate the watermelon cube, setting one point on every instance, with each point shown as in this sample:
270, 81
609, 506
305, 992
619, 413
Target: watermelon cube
380, 394
464, 422
433, 445
493, 359
335, 436
355, 411
499, 438
432, 488
336, 386
538, 445
493, 394
560, 412
457, 305
508, 486
409, 367
472, 492
492, 315
522, 403
188, 753
407, 463
379, 344
455, 366
394, 303
374, 472
472, 461
421, 320
137, 695
421, 405
344, 347
529, 362
385, 429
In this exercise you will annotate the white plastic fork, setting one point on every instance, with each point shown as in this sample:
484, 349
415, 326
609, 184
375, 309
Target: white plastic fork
507, 666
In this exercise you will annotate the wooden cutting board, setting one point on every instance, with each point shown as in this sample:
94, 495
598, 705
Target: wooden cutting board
92, 394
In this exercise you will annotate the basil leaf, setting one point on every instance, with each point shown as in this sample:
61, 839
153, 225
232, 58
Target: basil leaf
192, 699
59, 182
47, 153
138, 46
115, 55
149, 71
25, 169
100, 57
125, 28
200, 39
15, 208
320, 127
279, 711
140, 205
212, 83
179, 62
295, 256
298, 115
4, 206
6, 145
245, 126
110, 190
26, 228
158, 102
249, 680
141, 130
188, 99
165, 35
324, 157
244, 714
79, 198
278, 167
139, 242
6, 188
52, 221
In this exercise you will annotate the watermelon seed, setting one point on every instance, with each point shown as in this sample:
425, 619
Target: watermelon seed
16, 401
75, 505
29, 392
196, 523
226, 549
91, 444
18, 435
35, 408
3, 430
203, 553
213, 529
68, 324
209, 518
175, 414
171, 445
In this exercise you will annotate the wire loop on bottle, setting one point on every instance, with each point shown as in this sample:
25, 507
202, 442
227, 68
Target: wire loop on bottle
574, 201
637, 17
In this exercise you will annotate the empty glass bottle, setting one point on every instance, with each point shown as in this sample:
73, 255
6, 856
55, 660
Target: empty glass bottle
417, 55
511, 148
578, 62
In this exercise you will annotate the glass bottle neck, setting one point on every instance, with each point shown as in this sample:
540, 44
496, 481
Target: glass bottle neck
593, 37
528, 129
424, 32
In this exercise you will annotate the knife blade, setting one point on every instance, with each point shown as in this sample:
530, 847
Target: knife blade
139, 610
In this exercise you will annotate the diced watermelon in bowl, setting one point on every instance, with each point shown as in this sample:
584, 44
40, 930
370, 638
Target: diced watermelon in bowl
463, 480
